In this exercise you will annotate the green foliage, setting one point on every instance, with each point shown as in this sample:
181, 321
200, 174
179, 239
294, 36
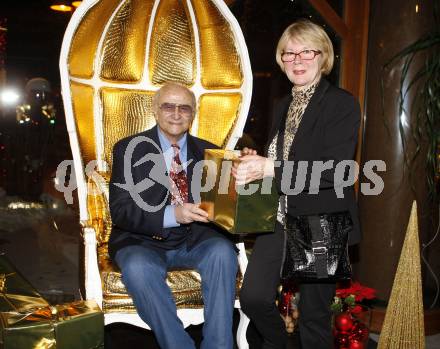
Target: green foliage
341, 304
350, 300
336, 306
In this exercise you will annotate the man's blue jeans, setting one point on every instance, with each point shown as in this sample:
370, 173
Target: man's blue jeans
144, 271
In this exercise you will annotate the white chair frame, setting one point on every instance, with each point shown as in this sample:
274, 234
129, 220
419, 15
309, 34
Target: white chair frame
92, 276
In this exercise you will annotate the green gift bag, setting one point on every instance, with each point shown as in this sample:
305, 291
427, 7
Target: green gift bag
238, 209
77, 325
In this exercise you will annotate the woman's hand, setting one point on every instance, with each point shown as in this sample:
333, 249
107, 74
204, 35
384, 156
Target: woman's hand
252, 167
248, 151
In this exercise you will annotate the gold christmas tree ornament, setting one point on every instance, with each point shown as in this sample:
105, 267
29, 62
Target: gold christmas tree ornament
403, 327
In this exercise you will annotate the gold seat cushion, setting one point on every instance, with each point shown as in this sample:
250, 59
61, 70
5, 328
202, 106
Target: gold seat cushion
185, 287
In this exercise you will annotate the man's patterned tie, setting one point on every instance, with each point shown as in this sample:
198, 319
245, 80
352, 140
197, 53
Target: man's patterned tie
179, 183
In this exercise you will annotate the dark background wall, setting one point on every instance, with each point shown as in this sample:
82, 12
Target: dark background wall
394, 25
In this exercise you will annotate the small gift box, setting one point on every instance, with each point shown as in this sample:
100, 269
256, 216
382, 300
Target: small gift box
77, 325
27, 320
16, 293
250, 208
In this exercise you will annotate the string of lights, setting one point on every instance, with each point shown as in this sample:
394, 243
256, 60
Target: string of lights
64, 6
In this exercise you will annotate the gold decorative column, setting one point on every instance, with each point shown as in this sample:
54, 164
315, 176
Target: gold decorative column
403, 326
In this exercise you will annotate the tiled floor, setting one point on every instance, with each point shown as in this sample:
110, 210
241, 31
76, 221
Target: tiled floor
44, 245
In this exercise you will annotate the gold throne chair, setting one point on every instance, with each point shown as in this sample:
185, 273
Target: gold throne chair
115, 54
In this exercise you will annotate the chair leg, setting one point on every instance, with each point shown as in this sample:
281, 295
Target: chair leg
241, 331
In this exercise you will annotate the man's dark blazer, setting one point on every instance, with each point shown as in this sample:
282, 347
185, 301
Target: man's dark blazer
133, 225
328, 131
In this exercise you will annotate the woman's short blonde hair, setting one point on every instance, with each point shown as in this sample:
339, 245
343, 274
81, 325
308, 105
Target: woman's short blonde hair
307, 32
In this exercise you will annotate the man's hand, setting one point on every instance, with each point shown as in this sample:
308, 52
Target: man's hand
251, 168
188, 213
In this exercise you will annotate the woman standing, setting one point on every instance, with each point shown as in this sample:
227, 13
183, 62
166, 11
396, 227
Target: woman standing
316, 122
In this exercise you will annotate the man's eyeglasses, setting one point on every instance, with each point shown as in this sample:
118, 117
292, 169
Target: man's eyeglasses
182, 109
306, 55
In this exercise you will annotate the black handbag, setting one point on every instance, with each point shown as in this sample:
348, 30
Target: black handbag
316, 247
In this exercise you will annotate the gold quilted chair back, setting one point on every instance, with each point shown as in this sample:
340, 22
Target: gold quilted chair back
115, 54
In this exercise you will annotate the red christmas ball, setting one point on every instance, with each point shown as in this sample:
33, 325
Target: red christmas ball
355, 344
284, 305
354, 336
364, 333
344, 322
342, 341
360, 332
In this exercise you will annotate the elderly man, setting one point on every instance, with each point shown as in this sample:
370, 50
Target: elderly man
163, 229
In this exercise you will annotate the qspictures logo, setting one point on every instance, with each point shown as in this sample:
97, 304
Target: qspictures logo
297, 177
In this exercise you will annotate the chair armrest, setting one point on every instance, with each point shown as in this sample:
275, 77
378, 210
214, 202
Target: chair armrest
93, 284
